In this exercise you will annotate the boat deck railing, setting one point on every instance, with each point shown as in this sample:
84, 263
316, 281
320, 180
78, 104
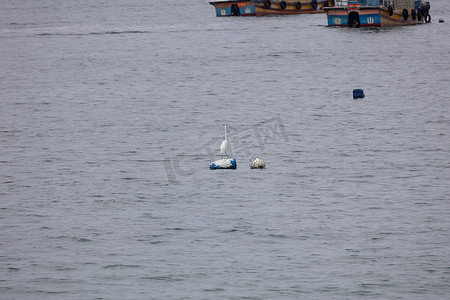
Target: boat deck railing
404, 3
362, 4
358, 2
341, 2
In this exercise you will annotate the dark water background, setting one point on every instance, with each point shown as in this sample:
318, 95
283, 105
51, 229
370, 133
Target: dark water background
112, 111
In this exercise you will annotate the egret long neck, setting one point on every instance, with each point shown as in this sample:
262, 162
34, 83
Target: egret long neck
226, 137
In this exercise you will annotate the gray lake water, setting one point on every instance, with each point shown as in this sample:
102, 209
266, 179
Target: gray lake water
112, 111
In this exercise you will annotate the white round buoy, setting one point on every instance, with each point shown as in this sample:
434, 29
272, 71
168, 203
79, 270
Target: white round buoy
257, 163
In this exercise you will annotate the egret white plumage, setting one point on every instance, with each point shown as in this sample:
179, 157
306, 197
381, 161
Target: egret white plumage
224, 145
224, 163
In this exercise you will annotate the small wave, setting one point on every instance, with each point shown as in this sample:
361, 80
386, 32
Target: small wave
120, 266
162, 278
176, 228
77, 239
278, 235
82, 240
64, 269
22, 24
121, 32
214, 290
92, 33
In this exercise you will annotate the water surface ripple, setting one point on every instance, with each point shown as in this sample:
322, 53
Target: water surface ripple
111, 113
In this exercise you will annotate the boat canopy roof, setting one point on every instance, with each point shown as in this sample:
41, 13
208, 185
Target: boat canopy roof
393, 3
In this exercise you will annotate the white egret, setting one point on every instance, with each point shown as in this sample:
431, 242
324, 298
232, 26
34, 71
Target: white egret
224, 145
224, 163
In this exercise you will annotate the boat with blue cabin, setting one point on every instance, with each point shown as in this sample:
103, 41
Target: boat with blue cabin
378, 13
228, 8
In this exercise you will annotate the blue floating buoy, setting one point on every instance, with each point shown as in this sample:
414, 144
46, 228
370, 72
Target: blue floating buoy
226, 163
358, 93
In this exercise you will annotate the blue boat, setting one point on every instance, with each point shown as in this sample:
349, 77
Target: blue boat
228, 8
378, 13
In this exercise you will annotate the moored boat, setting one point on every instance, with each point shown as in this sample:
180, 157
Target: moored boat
378, 13
229, 8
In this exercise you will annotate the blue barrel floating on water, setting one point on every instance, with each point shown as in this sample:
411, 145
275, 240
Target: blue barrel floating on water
226, 163
358, 93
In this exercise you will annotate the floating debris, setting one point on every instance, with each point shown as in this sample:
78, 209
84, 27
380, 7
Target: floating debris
226, 163
257, 163
358, 93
